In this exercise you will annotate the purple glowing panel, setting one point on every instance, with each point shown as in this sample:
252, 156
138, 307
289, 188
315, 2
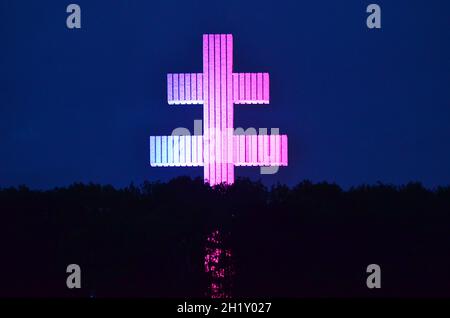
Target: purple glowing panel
218, 89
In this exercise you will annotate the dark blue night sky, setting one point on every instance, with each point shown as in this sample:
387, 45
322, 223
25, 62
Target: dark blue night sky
359, 105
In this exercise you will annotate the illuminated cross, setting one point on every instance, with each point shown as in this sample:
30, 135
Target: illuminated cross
218, 89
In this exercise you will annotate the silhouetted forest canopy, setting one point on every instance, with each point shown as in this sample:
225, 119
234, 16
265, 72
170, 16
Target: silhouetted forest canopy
149, 240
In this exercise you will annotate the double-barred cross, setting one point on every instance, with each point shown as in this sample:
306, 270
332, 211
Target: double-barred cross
219, 150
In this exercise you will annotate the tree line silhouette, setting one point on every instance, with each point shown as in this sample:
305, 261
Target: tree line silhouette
310, 240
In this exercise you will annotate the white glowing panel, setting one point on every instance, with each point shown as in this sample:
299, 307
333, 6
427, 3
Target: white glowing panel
164, 151
182, 151
284, 150
266, 150
266, 88
158, 150
170, 161
188, 150
194, 151
253, 88
176, 150
199, 84
259, 88
250, 88
199, 161
152, 151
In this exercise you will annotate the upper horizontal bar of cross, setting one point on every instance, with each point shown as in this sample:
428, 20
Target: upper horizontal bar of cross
247, 88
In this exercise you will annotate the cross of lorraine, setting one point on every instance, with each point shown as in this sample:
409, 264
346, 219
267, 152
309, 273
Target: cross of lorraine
218, 150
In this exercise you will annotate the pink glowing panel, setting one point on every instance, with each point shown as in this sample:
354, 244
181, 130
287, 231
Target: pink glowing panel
193, 87
248, 151
187, 147
235, 83
266, 150
218, 89
277, 147
260, 149
176, 150
248, 87
224, 161
231, 151
266, 88
200, 96
235, 148
182, 150
194, 151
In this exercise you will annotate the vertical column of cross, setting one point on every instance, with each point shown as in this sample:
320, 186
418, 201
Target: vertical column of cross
229, 109
206, 110
217, 108
212, 108
223, 108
